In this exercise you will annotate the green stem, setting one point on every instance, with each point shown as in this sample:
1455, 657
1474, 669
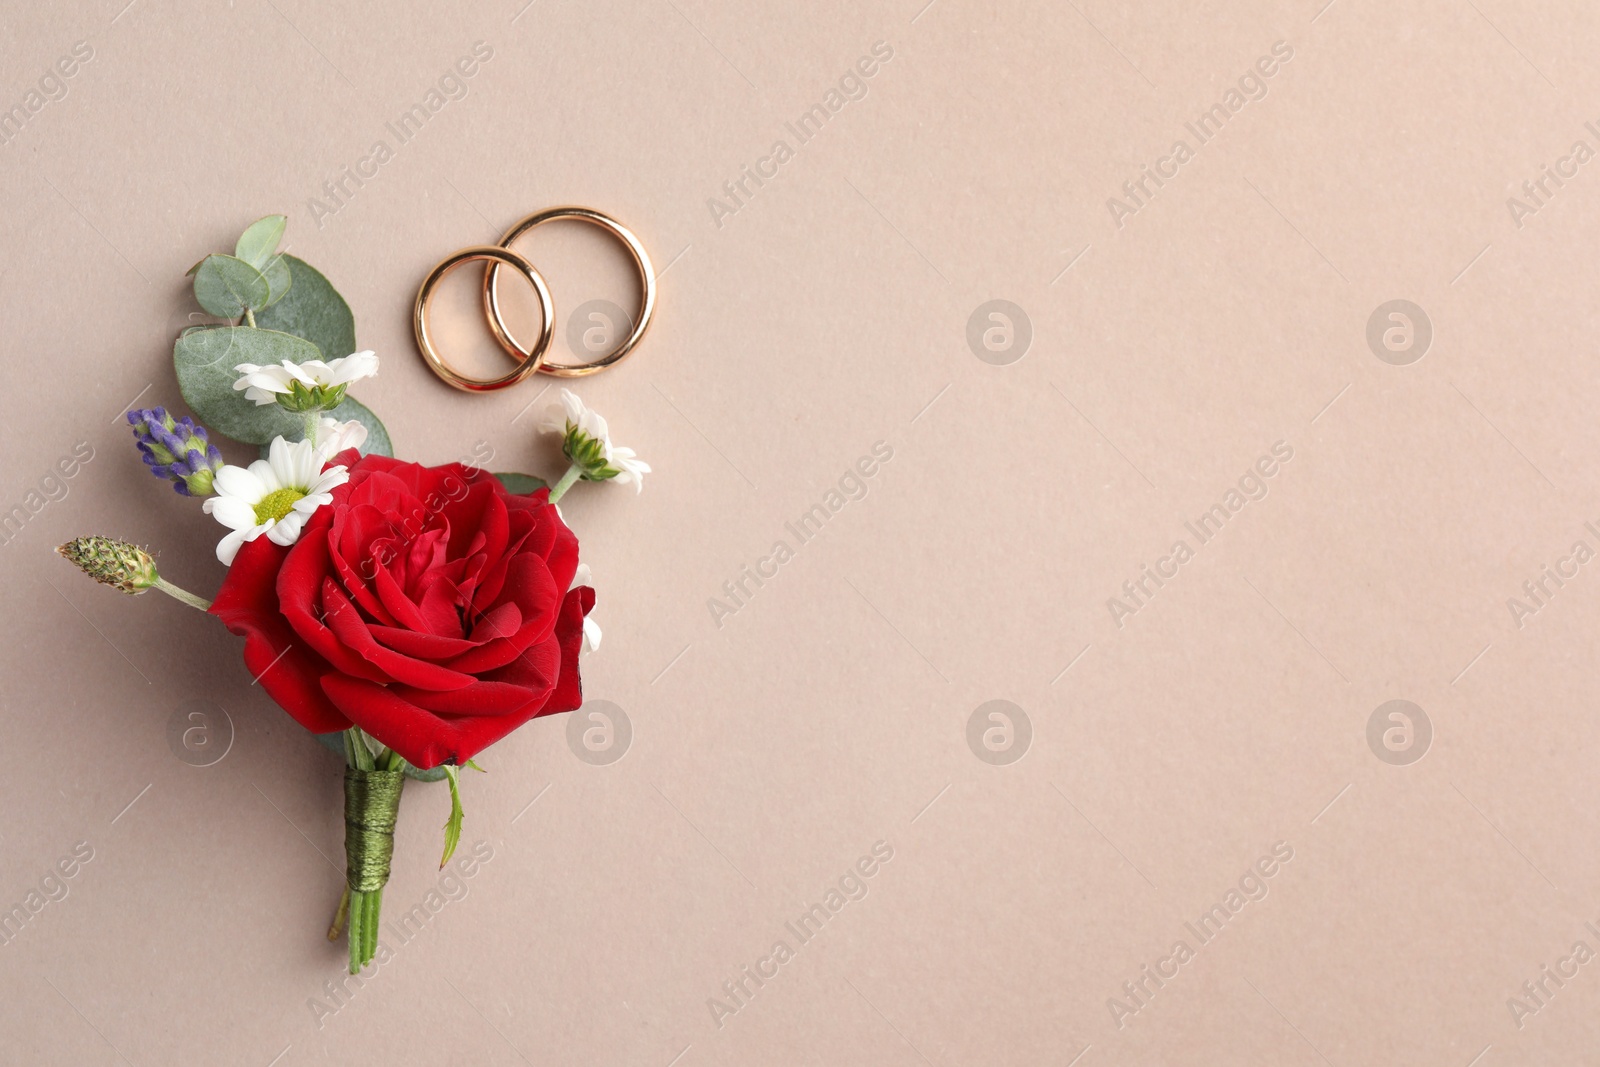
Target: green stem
313, 417
249, 316
356, 752
574, 472
371, 806
357, 931
182, 594
337, 926
364, 908
369, 944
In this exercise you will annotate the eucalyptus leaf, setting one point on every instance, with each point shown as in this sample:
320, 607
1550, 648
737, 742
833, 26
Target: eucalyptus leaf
314, 310
204, 361
279, 279
226, 286
520, 483
333, 742
257, 244
432, 774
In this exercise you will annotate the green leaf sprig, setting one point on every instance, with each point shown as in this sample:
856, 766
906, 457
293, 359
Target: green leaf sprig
285, 309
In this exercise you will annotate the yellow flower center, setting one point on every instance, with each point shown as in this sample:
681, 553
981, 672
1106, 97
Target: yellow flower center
275, 505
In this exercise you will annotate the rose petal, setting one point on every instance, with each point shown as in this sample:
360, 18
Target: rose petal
284, 666
408, 670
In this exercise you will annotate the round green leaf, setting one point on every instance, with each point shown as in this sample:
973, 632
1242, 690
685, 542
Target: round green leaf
314, 310
226, 286
257, 244
278, 278
204, 361
520, 483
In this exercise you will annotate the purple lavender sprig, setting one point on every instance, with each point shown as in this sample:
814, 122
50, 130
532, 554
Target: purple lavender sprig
176, 450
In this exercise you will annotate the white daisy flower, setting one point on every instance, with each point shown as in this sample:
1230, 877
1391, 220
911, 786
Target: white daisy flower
591, 629
273, 496
568, 412
334, 436
287, 382
630, 468
586, 442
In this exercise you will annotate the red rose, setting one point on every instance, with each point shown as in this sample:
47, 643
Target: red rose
426, 605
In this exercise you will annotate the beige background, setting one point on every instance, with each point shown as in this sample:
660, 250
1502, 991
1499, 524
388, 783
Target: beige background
830, 712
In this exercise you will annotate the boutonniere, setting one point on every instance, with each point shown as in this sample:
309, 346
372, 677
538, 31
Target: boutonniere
409, 615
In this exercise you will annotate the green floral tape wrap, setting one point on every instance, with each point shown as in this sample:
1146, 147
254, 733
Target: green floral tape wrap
371, 806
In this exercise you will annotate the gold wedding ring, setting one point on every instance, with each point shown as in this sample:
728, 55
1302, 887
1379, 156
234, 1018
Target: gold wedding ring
641, 263
531, 359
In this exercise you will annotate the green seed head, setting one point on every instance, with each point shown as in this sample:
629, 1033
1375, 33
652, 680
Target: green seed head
115, 563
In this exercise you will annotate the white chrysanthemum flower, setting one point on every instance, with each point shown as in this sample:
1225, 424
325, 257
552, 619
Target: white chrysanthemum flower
586, 442
591, 628
569, 412
334, 436
630, 468
273, 496
265, 384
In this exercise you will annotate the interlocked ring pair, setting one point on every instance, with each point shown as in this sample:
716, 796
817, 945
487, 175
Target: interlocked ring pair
530, 360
